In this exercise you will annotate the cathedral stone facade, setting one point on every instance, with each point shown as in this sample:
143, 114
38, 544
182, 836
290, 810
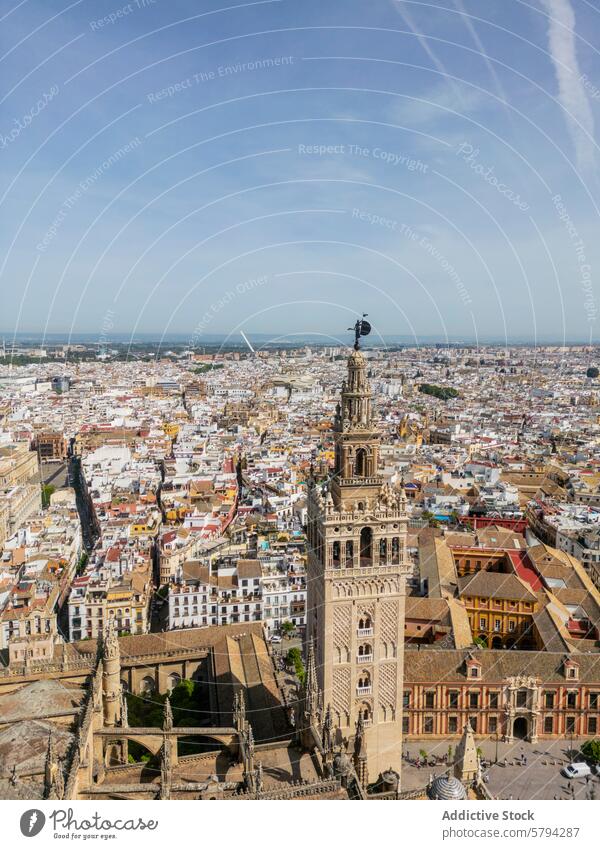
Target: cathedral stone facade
357, 529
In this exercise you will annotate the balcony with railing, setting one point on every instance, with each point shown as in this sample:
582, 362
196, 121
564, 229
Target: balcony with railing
364, 691
364, 658
364, 632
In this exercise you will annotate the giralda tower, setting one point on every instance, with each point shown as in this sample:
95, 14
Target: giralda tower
357, 566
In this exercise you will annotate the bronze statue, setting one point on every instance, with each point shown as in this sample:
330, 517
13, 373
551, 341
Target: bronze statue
361, 328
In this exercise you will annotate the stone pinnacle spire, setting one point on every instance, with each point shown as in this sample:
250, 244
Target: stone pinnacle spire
360, 751
167, 716
165, 769
326, 734
124, 714
311, 687
239, 711
50, 765
54, 786
465, 758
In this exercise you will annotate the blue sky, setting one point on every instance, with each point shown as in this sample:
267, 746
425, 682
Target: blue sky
198, 167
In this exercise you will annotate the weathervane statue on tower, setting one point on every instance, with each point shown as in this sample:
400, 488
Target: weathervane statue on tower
361, 328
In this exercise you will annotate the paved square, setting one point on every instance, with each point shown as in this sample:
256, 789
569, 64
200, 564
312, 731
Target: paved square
538, 778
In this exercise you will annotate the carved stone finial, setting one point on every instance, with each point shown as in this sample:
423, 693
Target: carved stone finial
165, 769
167, 716
259, 777
124, 710
311, 687
110, 642
53, 775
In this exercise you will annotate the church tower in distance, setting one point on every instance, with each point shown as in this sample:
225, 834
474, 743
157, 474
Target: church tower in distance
357, 566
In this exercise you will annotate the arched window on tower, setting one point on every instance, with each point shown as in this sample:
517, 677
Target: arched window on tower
365, 652
349, 553
336, 553
360, 463
382, 550
395, 550
365, 626
364, 685
366, 547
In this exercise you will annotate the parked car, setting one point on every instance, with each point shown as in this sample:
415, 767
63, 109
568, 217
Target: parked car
576, 770
276, 638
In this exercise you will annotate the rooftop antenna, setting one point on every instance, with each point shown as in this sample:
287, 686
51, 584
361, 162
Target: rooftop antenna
361, 328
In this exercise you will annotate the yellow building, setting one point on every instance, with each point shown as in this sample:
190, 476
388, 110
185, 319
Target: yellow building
500, 608
171, 429
17, 464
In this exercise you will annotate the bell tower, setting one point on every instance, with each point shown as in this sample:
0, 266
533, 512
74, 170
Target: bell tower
356, 479
357, 566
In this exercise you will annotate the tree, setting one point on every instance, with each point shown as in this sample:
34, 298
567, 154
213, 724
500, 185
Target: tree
47, 491
591, 750
294, 658
287, 627
441, 392
82, 562
592, 372
430, 518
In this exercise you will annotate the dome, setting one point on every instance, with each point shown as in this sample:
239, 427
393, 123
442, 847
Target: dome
446, 788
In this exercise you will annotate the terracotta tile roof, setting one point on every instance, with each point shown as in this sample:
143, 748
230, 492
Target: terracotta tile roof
441, 665
495, 585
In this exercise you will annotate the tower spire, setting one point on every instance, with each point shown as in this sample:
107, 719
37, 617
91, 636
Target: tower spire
167, 716
311, 698
465, 757
360, 752
311, 687
239, 711
327, 730
50, 765
327, 742
54, 786
166, 770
